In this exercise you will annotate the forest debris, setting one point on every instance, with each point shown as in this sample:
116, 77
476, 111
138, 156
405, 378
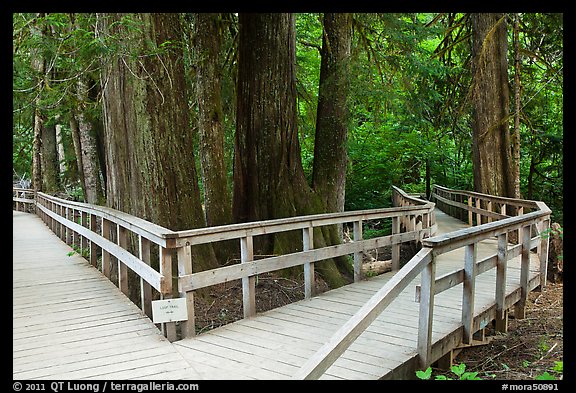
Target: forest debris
376, 267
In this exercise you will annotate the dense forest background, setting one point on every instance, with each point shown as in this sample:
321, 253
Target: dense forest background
106, 105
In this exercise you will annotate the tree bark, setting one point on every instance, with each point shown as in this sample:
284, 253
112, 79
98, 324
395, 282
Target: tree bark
517, 87
38, 65
149, 151
217, 198
49, 158
269, 180
330, 150
93, 192
490, 97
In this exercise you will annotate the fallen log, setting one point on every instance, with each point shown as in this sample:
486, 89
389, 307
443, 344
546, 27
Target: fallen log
374, 268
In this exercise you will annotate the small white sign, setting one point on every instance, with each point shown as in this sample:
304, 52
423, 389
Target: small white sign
169, 310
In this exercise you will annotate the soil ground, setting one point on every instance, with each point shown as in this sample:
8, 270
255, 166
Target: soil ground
531, 347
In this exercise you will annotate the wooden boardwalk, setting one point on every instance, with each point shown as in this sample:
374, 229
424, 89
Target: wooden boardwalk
70, 322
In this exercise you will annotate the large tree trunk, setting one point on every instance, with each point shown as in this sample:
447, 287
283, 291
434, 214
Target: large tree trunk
330, 150
269, 180
93, 192
490, 97
517, 87
38, 65
49, 158
149, 140
217, 198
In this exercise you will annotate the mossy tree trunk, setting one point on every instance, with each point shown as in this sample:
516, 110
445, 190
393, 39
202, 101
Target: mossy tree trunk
330, 150
149, 140
269, 180
492, 161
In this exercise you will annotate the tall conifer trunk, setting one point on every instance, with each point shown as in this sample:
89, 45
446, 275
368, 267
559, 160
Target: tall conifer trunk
149, 139
269, 180
490, 126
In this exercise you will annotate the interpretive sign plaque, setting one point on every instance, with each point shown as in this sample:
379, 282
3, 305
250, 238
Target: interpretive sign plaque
169, 310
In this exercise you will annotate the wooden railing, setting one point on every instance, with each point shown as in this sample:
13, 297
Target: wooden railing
23, 199
104, 233
106, 236
413, 210
424, 263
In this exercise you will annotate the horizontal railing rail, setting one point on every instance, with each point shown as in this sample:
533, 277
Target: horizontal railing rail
412, 210
23, 199
424, 263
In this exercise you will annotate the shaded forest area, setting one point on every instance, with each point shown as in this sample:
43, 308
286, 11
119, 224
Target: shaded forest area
192, 120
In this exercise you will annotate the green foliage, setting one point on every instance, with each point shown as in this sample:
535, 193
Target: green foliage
409, 101
458, 370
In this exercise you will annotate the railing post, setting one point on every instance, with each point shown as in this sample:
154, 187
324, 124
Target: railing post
428, 278
395, 244
106, 260
248, 283
501, 270
145, 288
69, 217
520, 307
122, 268
470, 222
478, 214
85, 223
168, 328
93, 246
543, 252
470, 268
489, 208
358, 254
308, 244
184, 268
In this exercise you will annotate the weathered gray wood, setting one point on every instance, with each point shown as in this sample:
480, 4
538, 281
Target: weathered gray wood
249, 282
468, 293
395, 246
357, 254
122, 269
188, 327
84, 331
145, 288
338, 343
151, 231
253, 268
106, 260
501, 273
237, 231
428, 279
520, 308
543, 252
309, 280
393, 331
109, 249
169, 328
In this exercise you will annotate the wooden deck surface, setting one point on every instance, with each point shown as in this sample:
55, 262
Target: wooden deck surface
70, 322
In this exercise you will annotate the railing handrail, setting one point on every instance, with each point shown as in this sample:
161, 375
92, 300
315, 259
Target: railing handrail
506, 200
143, 227
422, 262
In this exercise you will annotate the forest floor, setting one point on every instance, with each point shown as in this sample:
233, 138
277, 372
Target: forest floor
531, 347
